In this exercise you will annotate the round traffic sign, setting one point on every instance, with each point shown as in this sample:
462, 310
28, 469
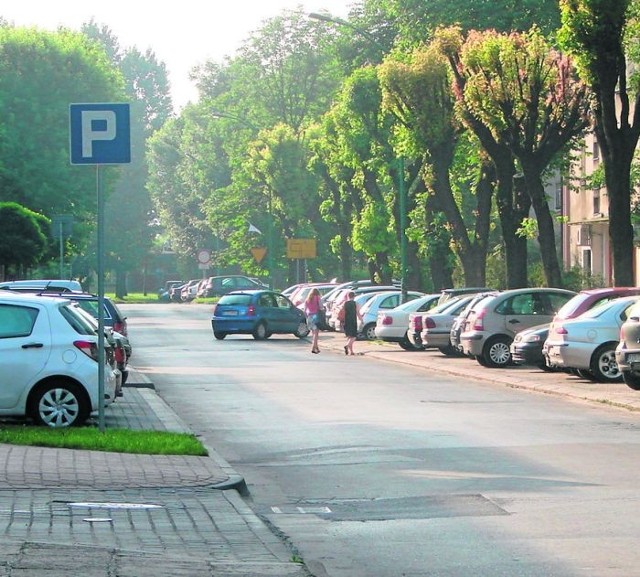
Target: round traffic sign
204, 256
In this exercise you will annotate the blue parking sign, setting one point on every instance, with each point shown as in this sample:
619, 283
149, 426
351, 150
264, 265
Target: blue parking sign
99, 133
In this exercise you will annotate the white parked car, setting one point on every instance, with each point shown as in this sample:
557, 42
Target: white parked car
392, 325
49, 359
588, 343
383, 301
437, 323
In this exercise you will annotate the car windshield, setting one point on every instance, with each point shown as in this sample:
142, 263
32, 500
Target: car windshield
231, 299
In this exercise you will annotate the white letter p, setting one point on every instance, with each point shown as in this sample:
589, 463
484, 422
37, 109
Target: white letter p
89, 135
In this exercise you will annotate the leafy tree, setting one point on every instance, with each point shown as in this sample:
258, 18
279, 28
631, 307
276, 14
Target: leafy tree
418, 93
40, 74
285, 70
417, 20
23, 240
527, 94
513, 203
128, 208
599, 34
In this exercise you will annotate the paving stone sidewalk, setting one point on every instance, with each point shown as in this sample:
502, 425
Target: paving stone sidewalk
68, 512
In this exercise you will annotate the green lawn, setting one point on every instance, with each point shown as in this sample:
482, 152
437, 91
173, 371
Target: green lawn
113, 440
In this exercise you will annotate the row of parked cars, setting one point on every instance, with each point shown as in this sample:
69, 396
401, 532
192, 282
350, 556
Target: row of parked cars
213, 286
594, 333
49, 352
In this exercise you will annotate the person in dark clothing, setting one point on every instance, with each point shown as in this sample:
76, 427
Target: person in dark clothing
351, 316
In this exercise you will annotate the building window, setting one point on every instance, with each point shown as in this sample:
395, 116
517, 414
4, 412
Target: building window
596, 201
558, 206
596, 152
586, 261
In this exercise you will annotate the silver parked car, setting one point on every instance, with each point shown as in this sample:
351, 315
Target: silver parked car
437, 323
494, 321
588, 342
628, 349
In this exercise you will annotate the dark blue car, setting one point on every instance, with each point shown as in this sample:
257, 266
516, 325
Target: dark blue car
260, 313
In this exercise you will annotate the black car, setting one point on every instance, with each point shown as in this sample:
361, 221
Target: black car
526, 348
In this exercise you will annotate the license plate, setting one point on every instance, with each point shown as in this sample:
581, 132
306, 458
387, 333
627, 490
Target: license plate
229, 313
633, 358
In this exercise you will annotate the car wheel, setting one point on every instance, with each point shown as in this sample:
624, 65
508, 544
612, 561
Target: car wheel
219, 335
407, 345
496, 352
584, 374
604, 366
369, 332
543, 366
260, 333
59, 404
449, 351
632, 380
302, 330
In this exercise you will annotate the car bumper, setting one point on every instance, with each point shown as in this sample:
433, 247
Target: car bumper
390, 335
628, 360
233, 326
569, 356
414, 338
472, 343
527, 355
435, 339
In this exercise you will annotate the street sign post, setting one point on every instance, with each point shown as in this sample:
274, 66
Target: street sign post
100, 134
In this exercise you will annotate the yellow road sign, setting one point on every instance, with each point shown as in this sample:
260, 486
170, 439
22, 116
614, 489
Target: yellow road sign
301, 248
258, 253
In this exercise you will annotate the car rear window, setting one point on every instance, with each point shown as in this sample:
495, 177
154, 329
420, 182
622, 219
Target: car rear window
76, 320
569, 309
242, 299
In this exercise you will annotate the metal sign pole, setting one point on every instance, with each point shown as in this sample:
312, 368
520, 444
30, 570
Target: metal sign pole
100, 255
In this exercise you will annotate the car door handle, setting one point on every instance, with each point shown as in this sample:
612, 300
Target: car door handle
33, 346
514, 322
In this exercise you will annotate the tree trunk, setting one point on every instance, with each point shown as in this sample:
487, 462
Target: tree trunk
617, 171
121, 283
472, 255
620, 228
513, 205
546, 230
414, 276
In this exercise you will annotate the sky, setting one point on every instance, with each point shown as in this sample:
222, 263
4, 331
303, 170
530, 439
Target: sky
181, 35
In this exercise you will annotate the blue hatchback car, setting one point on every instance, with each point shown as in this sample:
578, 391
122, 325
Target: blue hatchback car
260, 313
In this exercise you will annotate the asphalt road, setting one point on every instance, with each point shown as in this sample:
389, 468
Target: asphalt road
382, 470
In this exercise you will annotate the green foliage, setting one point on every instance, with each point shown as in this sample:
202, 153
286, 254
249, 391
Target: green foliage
371, 233
417, 19
24, 241
40, 74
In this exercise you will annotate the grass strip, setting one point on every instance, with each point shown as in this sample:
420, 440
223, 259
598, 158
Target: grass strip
112, 440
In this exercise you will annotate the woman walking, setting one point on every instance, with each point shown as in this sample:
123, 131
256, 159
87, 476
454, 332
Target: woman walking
351, 316
312, 307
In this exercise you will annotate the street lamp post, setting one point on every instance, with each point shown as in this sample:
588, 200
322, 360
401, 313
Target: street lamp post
221, 114
402, 192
